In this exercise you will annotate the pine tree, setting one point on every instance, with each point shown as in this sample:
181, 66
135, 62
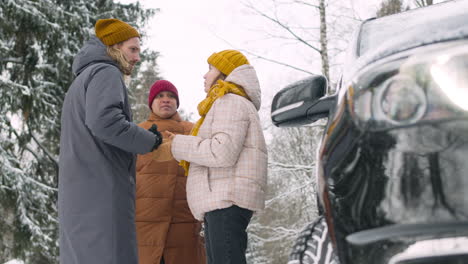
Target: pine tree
390, 7
38, 40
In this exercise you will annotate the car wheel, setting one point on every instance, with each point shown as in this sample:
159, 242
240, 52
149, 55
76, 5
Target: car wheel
313, 245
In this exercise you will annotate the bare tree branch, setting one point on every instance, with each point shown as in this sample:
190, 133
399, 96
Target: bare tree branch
265, 58
48, 154
280, 197
322, 126
340, 16
306, 3
282, 25
12, 60
292, 167
46, 151
277, 62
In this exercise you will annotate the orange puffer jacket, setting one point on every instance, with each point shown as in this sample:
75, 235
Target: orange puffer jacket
165, 225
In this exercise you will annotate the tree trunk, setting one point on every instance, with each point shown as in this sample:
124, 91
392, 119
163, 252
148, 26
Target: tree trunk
324, 41
422, 3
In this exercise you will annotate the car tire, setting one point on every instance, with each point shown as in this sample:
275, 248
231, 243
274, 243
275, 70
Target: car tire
313, 245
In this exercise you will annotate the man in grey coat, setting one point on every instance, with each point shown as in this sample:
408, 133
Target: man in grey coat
98, 147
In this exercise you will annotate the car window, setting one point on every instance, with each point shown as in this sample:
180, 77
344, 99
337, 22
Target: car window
415, 27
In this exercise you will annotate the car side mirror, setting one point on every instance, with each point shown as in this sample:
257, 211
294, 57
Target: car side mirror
301, 103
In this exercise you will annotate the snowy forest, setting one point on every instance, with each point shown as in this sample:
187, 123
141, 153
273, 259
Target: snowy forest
38, 40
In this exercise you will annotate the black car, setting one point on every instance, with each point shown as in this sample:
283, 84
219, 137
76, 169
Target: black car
393, 163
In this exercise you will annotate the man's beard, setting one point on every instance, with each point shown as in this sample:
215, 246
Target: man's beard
127, 69
125, 66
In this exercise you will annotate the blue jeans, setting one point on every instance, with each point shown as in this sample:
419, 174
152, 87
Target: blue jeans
226, 236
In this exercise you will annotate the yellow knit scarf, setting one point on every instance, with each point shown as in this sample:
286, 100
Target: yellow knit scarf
216, 91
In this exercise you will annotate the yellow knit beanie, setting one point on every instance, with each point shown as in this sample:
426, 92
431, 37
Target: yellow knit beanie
227, 60
112, 31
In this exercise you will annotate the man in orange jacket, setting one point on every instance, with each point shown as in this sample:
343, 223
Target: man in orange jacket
167, 232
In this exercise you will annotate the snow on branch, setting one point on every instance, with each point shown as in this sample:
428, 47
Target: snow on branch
280, 197
282, 233
291, 167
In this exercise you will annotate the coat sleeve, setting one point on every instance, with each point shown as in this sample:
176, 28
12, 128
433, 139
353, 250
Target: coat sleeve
226, 141
105, 116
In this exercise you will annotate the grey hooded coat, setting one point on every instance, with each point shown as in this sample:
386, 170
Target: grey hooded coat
98, 143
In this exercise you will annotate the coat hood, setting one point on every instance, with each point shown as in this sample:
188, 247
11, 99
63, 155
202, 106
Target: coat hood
94, 51
246, 77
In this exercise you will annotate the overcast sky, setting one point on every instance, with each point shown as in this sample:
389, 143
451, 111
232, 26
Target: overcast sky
186, 33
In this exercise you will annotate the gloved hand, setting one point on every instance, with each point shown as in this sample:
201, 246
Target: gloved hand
154, 129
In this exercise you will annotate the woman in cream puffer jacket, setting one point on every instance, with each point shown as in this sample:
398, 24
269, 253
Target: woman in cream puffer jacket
226, 156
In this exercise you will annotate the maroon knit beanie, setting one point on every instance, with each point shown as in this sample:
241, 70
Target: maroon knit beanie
159, 86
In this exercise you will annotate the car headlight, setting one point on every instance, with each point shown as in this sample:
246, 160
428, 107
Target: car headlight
423, 87
401, 100
450, 73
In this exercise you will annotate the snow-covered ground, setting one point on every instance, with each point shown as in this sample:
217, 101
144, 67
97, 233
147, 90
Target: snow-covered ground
14, 261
